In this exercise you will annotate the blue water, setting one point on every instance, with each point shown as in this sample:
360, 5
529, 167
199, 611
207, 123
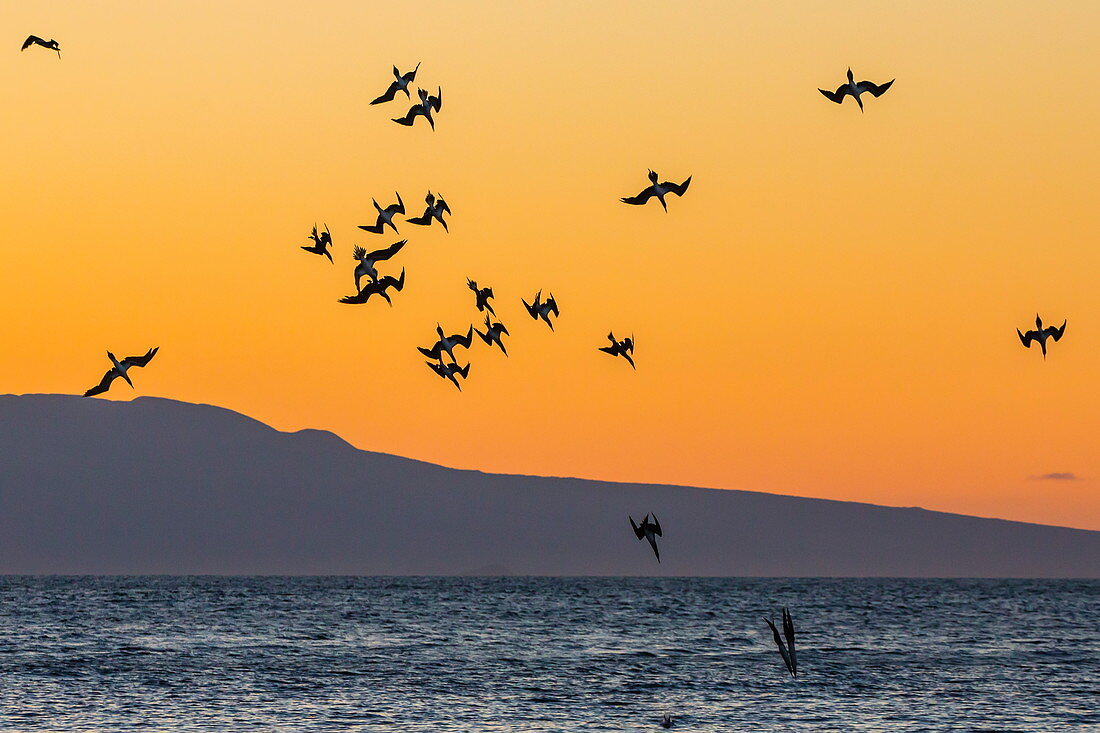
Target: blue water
537, 654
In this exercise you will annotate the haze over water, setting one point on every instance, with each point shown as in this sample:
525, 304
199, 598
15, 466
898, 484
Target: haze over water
544, 654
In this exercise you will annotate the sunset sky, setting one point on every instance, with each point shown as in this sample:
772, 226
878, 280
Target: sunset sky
830, 311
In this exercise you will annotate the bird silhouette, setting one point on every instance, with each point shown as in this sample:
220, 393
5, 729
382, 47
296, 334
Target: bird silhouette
321, 243
119, 369
855, 89
368, 260
385, 217
790, 659
400, 83
666, 722
648, 531
658, 189
427, 103
624, 348
1041, 334
482, 296
448, 371
434, 211
447, 343
376, 287
492, 334
36, 41
542, 308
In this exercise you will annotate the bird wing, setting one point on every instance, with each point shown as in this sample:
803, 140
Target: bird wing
782, 648
838, 95
657, 526
788, 632
1026, 338
104, 384
437, 100
411, 76
424, 219
397, 284
30, 40
464, 341
361, 297
140, 361
553, 303
387, 95
638, 532
1056, 331
384, 254
375, 228
441, 205
399, 207
435, 366
677, 188
640, 198
875, 89
410, 116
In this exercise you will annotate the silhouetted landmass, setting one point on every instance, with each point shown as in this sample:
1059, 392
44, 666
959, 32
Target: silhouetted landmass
158, 486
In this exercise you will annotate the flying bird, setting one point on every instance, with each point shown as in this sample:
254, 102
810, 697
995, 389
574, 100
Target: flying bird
36, 41
482, 296
658, 189
385, 217
435, 209
786, 650
648, 531
400, 83
542, 308
427, 103
447, 344
321, 243
448, 371
624, 348
1041, 334
119, 370
493, 331
855, 89
376, 287
368, 260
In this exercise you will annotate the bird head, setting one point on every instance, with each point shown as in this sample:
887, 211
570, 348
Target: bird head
851, 78
1038, 322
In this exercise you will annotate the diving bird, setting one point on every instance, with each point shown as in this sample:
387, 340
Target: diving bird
435, 209
385, 217
493, 331
666, 722
119, 370
427, 103
376, 287
448, 371
368, 260
482, 296
321, 243
447, 344
542, 308
658, 189
785, 650
1041, 334
624, 348
855, 89
648, 531
400, 83
36, 41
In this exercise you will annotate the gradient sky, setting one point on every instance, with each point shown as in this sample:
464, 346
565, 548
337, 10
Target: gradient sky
829, 312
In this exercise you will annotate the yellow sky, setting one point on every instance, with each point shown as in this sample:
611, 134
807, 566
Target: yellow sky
829, 312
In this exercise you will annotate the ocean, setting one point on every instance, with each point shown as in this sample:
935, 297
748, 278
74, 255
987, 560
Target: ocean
545, 654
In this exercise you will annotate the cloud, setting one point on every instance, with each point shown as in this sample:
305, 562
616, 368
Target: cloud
1057, 476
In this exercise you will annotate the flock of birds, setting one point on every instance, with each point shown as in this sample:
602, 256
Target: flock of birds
369, 282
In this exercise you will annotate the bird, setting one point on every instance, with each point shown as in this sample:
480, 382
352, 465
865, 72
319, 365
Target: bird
785, 650
482, 295
855, 89
376, 287
493, 333
36, 41
368, 260
624, 348
321, 243
119, 369
1041, 334
435, 209
400, 83
666, 722
648, 531
427, 103
448, 371
542, 308
447, 344
658, 189
385, 217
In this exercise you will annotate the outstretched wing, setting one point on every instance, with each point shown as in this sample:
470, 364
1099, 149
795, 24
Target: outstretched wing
436, 102
140, 361
410, 116
384, 254
31, 40
387, 95
104, 384
1056, 331
640, 198
399, 207
410, 76
677, 189
359, 298
782, 648
838, 95
424, 219
657, 526
788, 632
638, 532
875, 89
1026, 338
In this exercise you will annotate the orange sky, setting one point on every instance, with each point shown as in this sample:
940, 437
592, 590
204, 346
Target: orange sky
829, 312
